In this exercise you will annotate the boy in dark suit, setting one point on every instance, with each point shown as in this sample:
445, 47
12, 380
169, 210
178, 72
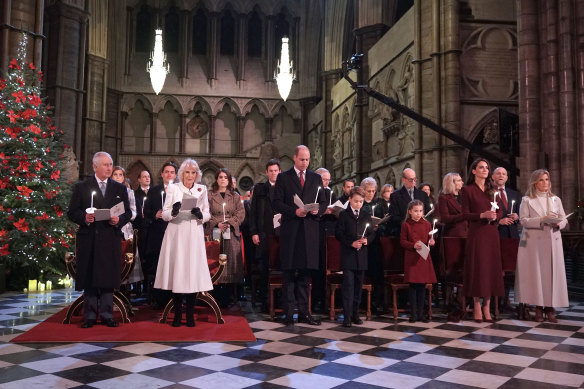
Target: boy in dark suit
354, 231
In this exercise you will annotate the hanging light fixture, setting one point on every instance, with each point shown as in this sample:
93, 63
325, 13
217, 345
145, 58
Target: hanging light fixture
157, 65
284, 71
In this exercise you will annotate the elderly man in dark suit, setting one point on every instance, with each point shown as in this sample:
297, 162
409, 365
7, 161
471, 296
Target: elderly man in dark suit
156, 229
507, 198
400, 199
261, 224
299, 249
99, 243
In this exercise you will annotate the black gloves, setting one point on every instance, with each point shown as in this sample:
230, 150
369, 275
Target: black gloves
175, 208
197, 212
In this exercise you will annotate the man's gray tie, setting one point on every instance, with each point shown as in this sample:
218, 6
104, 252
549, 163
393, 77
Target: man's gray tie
102, 188
411, 191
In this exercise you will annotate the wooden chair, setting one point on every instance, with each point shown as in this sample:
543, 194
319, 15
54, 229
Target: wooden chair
216, 268
393, 272
509, 249
276, 277
121, 302
334, 280
453, 252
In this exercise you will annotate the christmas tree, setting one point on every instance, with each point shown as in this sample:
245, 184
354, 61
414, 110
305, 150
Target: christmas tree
34, 231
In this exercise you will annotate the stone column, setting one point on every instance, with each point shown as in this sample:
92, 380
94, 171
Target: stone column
529, 89
240, 135
366, 37
452, 155
213, 46
184, 49
567, 99
183, 133
329, 80
550, 93
241, 46
270, 63
579, 59
153, 132
212, 119
65, 29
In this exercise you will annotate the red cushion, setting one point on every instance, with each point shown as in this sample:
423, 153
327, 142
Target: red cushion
333, 254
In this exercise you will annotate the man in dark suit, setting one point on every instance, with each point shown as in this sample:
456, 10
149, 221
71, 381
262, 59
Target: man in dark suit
508, 225
348, 185
328, 222
156, 228
299, 251
140, 194
261, 225
400, 199
99, 243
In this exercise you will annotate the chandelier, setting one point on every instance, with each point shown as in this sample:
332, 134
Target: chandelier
284, 72
157, 65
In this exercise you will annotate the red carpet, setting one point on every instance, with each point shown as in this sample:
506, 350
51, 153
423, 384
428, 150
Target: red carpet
143, 328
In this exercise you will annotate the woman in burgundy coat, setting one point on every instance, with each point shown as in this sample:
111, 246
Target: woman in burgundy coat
483, 272
450, 207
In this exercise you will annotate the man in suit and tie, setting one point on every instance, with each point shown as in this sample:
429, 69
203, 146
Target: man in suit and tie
140, 194
400, 199
261, 224
299, 251
507, 198
99, 243
328, 222
156, 229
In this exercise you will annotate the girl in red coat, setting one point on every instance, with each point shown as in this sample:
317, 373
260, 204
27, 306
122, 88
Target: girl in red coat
417, 271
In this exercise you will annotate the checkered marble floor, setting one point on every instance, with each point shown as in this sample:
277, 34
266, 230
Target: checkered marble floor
379, 353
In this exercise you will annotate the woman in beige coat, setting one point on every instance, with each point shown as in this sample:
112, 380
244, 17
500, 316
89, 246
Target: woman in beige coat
540, 279
227, 219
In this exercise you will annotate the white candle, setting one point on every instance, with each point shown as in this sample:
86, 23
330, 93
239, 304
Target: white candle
316, 198
495, 197
373, 210
434, 225
512, 204
92, 194
49, 285
331, 198
223, 212
366, 225
162, 199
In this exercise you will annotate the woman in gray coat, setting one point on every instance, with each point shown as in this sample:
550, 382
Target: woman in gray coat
541, 276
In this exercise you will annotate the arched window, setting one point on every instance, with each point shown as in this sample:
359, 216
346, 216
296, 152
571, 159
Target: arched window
282, 30
227, 34
200, 33
170, 33
254, 35
144, 32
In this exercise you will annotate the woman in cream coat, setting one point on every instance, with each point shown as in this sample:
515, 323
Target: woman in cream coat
182, 265
540, 279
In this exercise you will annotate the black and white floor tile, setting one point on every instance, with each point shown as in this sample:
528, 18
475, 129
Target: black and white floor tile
379, 353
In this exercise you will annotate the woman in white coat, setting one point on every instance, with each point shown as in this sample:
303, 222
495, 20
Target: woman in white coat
182, 265
540, 279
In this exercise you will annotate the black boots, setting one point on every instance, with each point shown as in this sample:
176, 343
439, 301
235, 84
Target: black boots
413, 303
190, 310
177, 300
